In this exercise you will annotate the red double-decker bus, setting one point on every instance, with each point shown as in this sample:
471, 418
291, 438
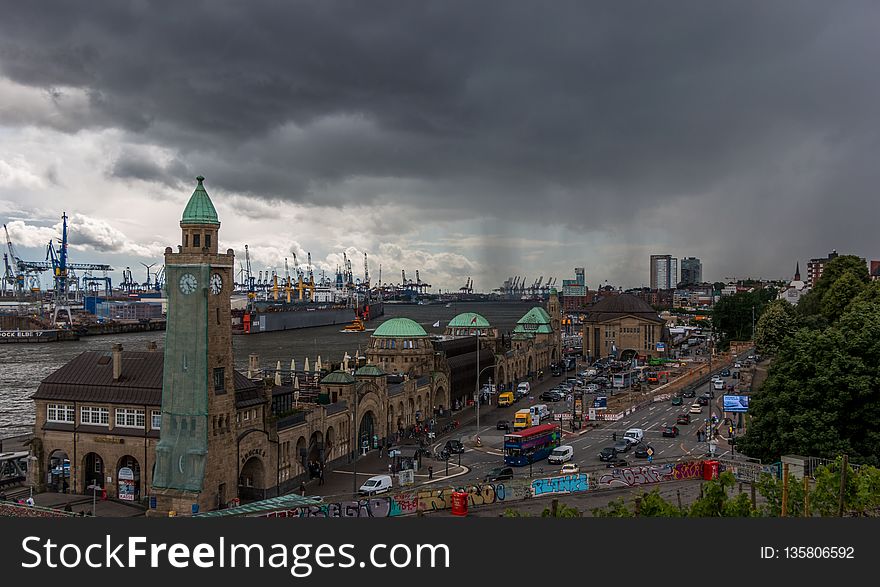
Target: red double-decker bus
531, 445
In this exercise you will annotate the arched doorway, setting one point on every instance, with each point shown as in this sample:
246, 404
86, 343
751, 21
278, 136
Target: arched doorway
530, 367
251, 482
553, 357
391, 421
410, 414
330, 443
316, 447
128, 479
627, 355
58, 474
401, 422
93, 472
419, 414
366, 431
301, 453
501, 381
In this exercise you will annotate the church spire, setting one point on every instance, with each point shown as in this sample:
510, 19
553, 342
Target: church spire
797, 271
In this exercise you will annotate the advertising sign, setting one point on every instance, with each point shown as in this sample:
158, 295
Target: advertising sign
736, 403
600, 402
661, 346
126, 484
578, 403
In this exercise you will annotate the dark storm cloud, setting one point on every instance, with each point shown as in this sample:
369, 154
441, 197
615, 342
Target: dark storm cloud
603, 115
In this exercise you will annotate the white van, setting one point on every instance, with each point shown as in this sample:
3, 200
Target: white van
374, 485
718, 384
561, 454
634, 435
523, 389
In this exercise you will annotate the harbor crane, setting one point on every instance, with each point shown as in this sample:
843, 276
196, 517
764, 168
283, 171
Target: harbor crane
148, 283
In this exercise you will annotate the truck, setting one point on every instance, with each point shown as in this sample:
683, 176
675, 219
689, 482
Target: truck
539, 412
522, 419
505, 399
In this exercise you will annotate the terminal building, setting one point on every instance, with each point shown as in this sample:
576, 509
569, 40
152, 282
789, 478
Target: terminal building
181, 430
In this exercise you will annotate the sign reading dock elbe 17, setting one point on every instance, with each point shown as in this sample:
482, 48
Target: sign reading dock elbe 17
28, 335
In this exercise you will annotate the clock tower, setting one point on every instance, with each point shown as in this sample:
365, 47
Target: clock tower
197, 435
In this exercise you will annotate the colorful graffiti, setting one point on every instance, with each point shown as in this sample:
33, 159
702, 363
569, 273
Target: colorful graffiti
375, 507
631, 476
563, 484
481, 494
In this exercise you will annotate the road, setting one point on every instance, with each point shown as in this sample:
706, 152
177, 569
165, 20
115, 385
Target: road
587, 445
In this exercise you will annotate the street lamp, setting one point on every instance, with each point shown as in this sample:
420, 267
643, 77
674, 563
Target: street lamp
477, 396
354, 437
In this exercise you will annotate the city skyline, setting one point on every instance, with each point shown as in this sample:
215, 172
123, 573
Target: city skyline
577, 137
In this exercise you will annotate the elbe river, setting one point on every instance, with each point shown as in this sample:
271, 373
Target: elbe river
24, 366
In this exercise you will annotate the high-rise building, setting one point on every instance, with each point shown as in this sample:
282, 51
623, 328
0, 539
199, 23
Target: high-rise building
664, 272
815, 267
691, 271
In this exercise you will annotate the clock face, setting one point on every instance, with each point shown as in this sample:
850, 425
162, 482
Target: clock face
188, 283
216, 284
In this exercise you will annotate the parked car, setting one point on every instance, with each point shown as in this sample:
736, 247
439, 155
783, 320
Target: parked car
608, 453
570, 469
498, 474
677, 400
550, 396
696, 409
670, 431
622, 446
503, 425
617, 464
683, 419
454, 447
641, 451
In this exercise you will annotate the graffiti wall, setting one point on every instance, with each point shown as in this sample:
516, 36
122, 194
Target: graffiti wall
375, 507
478, 495
646, 475
562, 484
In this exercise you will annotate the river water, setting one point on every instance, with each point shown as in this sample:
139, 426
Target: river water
23, 366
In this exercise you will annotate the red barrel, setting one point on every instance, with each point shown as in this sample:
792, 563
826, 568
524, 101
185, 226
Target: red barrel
710, 470
104, 494
459, 503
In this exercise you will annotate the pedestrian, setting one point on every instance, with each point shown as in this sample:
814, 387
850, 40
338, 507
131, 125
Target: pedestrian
614, 436
390, 468
321, 476
30, 501
302, 488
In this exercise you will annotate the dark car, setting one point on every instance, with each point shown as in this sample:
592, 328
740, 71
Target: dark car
622, 446
454, 447
617, 463
683, 419
421, 452
689, 393
609, 453
670, 431
677, 400
556, 373
503, 425
551, 396
725, 373
498, 474
641, 451
703, 401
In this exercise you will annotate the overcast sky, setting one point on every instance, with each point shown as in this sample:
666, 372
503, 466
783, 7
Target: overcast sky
463, 139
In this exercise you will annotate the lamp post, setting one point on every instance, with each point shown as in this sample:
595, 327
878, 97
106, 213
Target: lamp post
477, 396
354, 435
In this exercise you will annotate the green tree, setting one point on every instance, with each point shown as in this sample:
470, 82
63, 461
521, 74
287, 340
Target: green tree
514, 513
616, 508
777, 323
716, 503
654, 506
562, 511
732, 315
861, 494
770, 487
822, 394
839, 295
812, 303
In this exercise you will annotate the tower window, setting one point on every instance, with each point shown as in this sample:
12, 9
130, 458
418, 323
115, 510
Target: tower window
219, 381
208, 240
196, 239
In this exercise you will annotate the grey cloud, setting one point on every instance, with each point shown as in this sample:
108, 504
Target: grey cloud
604, 116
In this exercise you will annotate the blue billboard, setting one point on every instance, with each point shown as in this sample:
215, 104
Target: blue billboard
736, 403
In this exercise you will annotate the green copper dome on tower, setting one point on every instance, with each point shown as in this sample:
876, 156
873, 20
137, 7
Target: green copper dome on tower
200, 210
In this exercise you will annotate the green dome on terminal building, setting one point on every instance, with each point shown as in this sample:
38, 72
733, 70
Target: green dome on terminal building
200, 209
468, 320
400, 328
